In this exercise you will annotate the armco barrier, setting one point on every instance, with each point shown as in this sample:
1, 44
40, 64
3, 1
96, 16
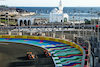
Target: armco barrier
50, 39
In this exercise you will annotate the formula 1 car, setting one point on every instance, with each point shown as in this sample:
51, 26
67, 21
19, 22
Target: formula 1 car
47, 53
31, 56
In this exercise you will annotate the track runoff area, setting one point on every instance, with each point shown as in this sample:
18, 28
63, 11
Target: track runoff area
14, 55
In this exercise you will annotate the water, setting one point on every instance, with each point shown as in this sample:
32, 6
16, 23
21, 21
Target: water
85, 12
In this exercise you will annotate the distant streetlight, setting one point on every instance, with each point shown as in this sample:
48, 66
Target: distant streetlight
83, 28
36, 11
7, 16
91, 22
42, 20
47, 29
95, 22
62, 25
52, 21
8, 22
0, 20
19, 23
57, 16
98, 27
69, 25
30, 23
79, 22
74, 19
0, 17
14, 18
48, 32
47, 12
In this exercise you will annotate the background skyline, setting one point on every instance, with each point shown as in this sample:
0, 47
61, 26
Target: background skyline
51, 3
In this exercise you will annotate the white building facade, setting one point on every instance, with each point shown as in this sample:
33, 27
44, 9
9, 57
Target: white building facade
25, 21
57, 15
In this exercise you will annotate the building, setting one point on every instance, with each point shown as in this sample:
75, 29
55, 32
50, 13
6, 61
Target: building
31, 20
25, 21
57, 15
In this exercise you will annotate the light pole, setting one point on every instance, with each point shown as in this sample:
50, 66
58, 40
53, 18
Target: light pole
69, 25
47, 28
19, 27
57, 17
98, 50
83, 31
30, 26
74, 19
91, 22
83, 25
62, 25
98, 27
19, 23
14, 18
36, 11
5, 16
42, 21
15, 15
79, 23
52, 22
0, 17
94, 33
8, 22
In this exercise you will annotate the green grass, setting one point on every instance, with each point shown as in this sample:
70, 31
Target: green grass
10, 22
2, 20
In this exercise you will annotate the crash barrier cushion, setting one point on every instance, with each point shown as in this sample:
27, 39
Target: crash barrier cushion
44, 38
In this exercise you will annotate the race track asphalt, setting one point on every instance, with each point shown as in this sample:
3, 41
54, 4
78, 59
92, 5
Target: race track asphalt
14, 55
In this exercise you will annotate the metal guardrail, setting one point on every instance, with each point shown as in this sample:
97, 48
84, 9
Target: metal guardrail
93, 60
89, 50
89, 54
83, 58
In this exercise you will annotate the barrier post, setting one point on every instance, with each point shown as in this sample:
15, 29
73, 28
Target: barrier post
30, 33
43, 34
19, 33
9, 32
53, 35
74, 35
63, 37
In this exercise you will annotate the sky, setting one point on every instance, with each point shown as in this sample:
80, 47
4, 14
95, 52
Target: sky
51, 3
